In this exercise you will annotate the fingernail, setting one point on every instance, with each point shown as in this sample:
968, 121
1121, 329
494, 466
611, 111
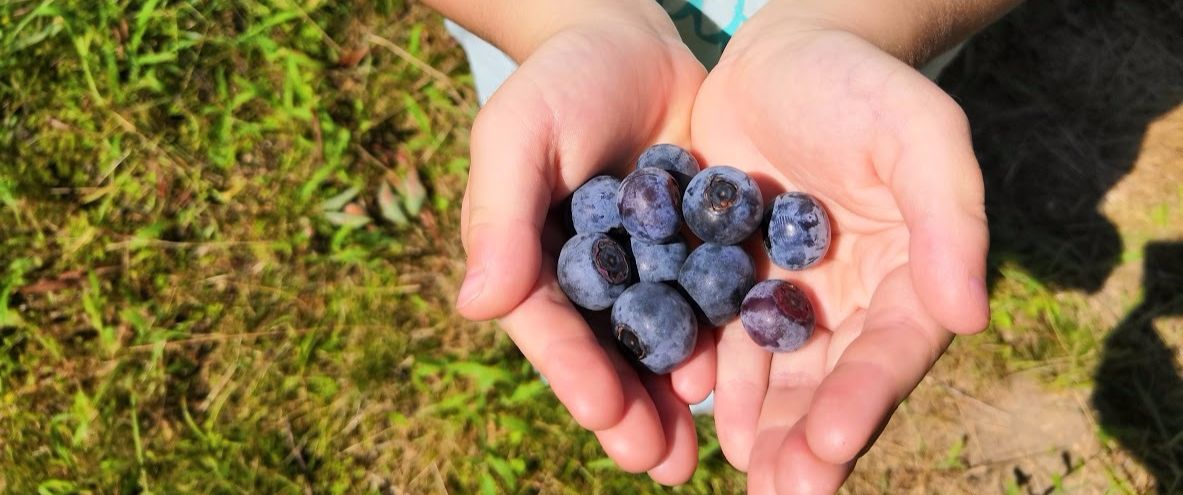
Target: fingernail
474, 283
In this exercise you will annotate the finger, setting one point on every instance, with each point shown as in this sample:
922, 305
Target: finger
681, 443
556, 339
897, 346
638, 442
509, 190
762, 468
792, 379
799, 471
937, 184
694, 379
843, 336
742, 381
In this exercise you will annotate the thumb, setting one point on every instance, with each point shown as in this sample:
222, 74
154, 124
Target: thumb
505, 205
937, 184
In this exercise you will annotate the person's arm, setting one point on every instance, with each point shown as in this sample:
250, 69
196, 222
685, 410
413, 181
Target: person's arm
517, 27
912, 30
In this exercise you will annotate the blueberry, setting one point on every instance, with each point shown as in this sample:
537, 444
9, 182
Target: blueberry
659, 262
673, 159
717, 278
796, 231
593, 205
723, 205
593, 270
777, 315
655, 324
650, 205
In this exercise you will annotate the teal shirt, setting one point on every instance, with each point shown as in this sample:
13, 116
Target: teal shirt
707, 25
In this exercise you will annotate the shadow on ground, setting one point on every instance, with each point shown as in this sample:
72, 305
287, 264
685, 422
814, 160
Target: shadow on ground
1060, 94
1139, 390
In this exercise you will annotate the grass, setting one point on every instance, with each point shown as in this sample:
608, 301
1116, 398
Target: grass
228, 246
228, 256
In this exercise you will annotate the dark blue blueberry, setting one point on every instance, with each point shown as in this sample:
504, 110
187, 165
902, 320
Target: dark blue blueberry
650, 206
796, 231
717, 278
659, 262
594, 270
673, 159
656, 325
777, 315
593, 205
723, 205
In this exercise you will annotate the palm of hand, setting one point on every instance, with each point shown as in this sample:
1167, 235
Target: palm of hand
831, 115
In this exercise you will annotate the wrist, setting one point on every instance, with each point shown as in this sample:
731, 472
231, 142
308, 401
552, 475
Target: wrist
911, 30
897, 35
518, 27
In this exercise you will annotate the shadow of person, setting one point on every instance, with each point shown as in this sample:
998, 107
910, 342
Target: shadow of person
1139, 387
1059, 94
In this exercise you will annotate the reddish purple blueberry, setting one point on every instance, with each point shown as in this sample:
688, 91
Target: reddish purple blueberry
778, 316
650, 205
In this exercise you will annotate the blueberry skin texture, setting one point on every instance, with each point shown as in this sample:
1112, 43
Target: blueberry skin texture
659, 262
594, 270
723, 205
655, 325
777, 316
593, 205
673, 159
796, 231
650, 205
716, 278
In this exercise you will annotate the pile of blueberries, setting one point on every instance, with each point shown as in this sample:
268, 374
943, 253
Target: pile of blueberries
630, 254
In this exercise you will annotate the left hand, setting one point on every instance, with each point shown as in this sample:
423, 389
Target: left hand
598, 87
803, 105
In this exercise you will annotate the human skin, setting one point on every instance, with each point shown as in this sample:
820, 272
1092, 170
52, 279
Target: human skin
811, 95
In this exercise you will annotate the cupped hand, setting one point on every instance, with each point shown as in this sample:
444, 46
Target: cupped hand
585, 102
804, 106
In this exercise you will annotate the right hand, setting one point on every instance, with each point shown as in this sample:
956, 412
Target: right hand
586, 101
